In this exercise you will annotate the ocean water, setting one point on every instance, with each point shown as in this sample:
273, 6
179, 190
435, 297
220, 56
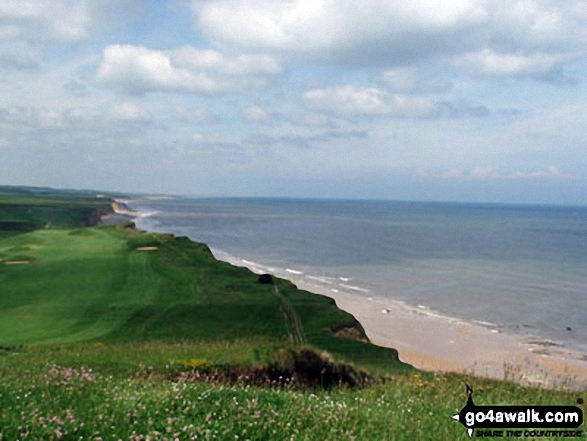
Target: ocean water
519, 268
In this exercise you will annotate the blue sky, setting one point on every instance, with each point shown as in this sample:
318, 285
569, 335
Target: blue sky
468, 100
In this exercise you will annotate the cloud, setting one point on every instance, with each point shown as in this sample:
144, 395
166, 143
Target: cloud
401, 79
304, 140
446, 109
211, 60
388, 33
137, 69
27, 27
36, 20
16, 118
490, 63
197, 116
410, 80
18, 54
550, 172
486, 172
255, 114
34, 121
313, 120
64, 21
198, 139
127, 111
50, 119
352, 101
333, 29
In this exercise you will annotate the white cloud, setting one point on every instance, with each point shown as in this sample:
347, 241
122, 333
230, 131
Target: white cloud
82, 113
32, 120
127, 111
402, 79
487, 172
28, 117
198, 116
211, 60
410, 80
137, 69
198, 139
317, 25
550, 172
18, 54
255, 114
59, 20
352, 101
491, 63
27, 26
50, 119
348, 100
484, 172
452, 173
394, 33
536, 25
314, 120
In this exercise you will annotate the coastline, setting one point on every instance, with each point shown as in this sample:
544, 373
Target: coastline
438, 343
115, 213
450, 345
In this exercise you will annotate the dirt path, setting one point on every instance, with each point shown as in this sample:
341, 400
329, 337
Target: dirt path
17, 262
292, 319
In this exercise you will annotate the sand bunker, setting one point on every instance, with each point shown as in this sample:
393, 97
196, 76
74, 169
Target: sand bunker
147, 248
17, 262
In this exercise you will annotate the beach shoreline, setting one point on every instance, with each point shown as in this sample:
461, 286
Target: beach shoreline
436, 343
450, 345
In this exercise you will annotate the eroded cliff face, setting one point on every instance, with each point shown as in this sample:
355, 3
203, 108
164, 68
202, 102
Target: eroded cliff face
98, 215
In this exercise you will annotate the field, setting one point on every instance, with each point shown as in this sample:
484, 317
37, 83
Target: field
112, 333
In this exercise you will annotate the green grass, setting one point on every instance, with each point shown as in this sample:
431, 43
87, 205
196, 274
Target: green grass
103, 341
48, 300
92, 392
93, 284
25, 210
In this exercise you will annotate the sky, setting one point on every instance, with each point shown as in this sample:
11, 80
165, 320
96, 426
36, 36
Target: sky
460, 100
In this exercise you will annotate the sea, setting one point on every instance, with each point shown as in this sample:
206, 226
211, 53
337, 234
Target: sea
516, 268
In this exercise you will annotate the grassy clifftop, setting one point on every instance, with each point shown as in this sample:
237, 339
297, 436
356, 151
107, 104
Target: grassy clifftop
115, 283
23, 210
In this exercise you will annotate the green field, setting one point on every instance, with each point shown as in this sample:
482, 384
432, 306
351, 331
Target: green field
104, 339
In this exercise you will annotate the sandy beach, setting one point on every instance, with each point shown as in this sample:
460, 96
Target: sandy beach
435, 343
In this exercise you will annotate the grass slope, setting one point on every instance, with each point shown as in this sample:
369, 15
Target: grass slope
97, 392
